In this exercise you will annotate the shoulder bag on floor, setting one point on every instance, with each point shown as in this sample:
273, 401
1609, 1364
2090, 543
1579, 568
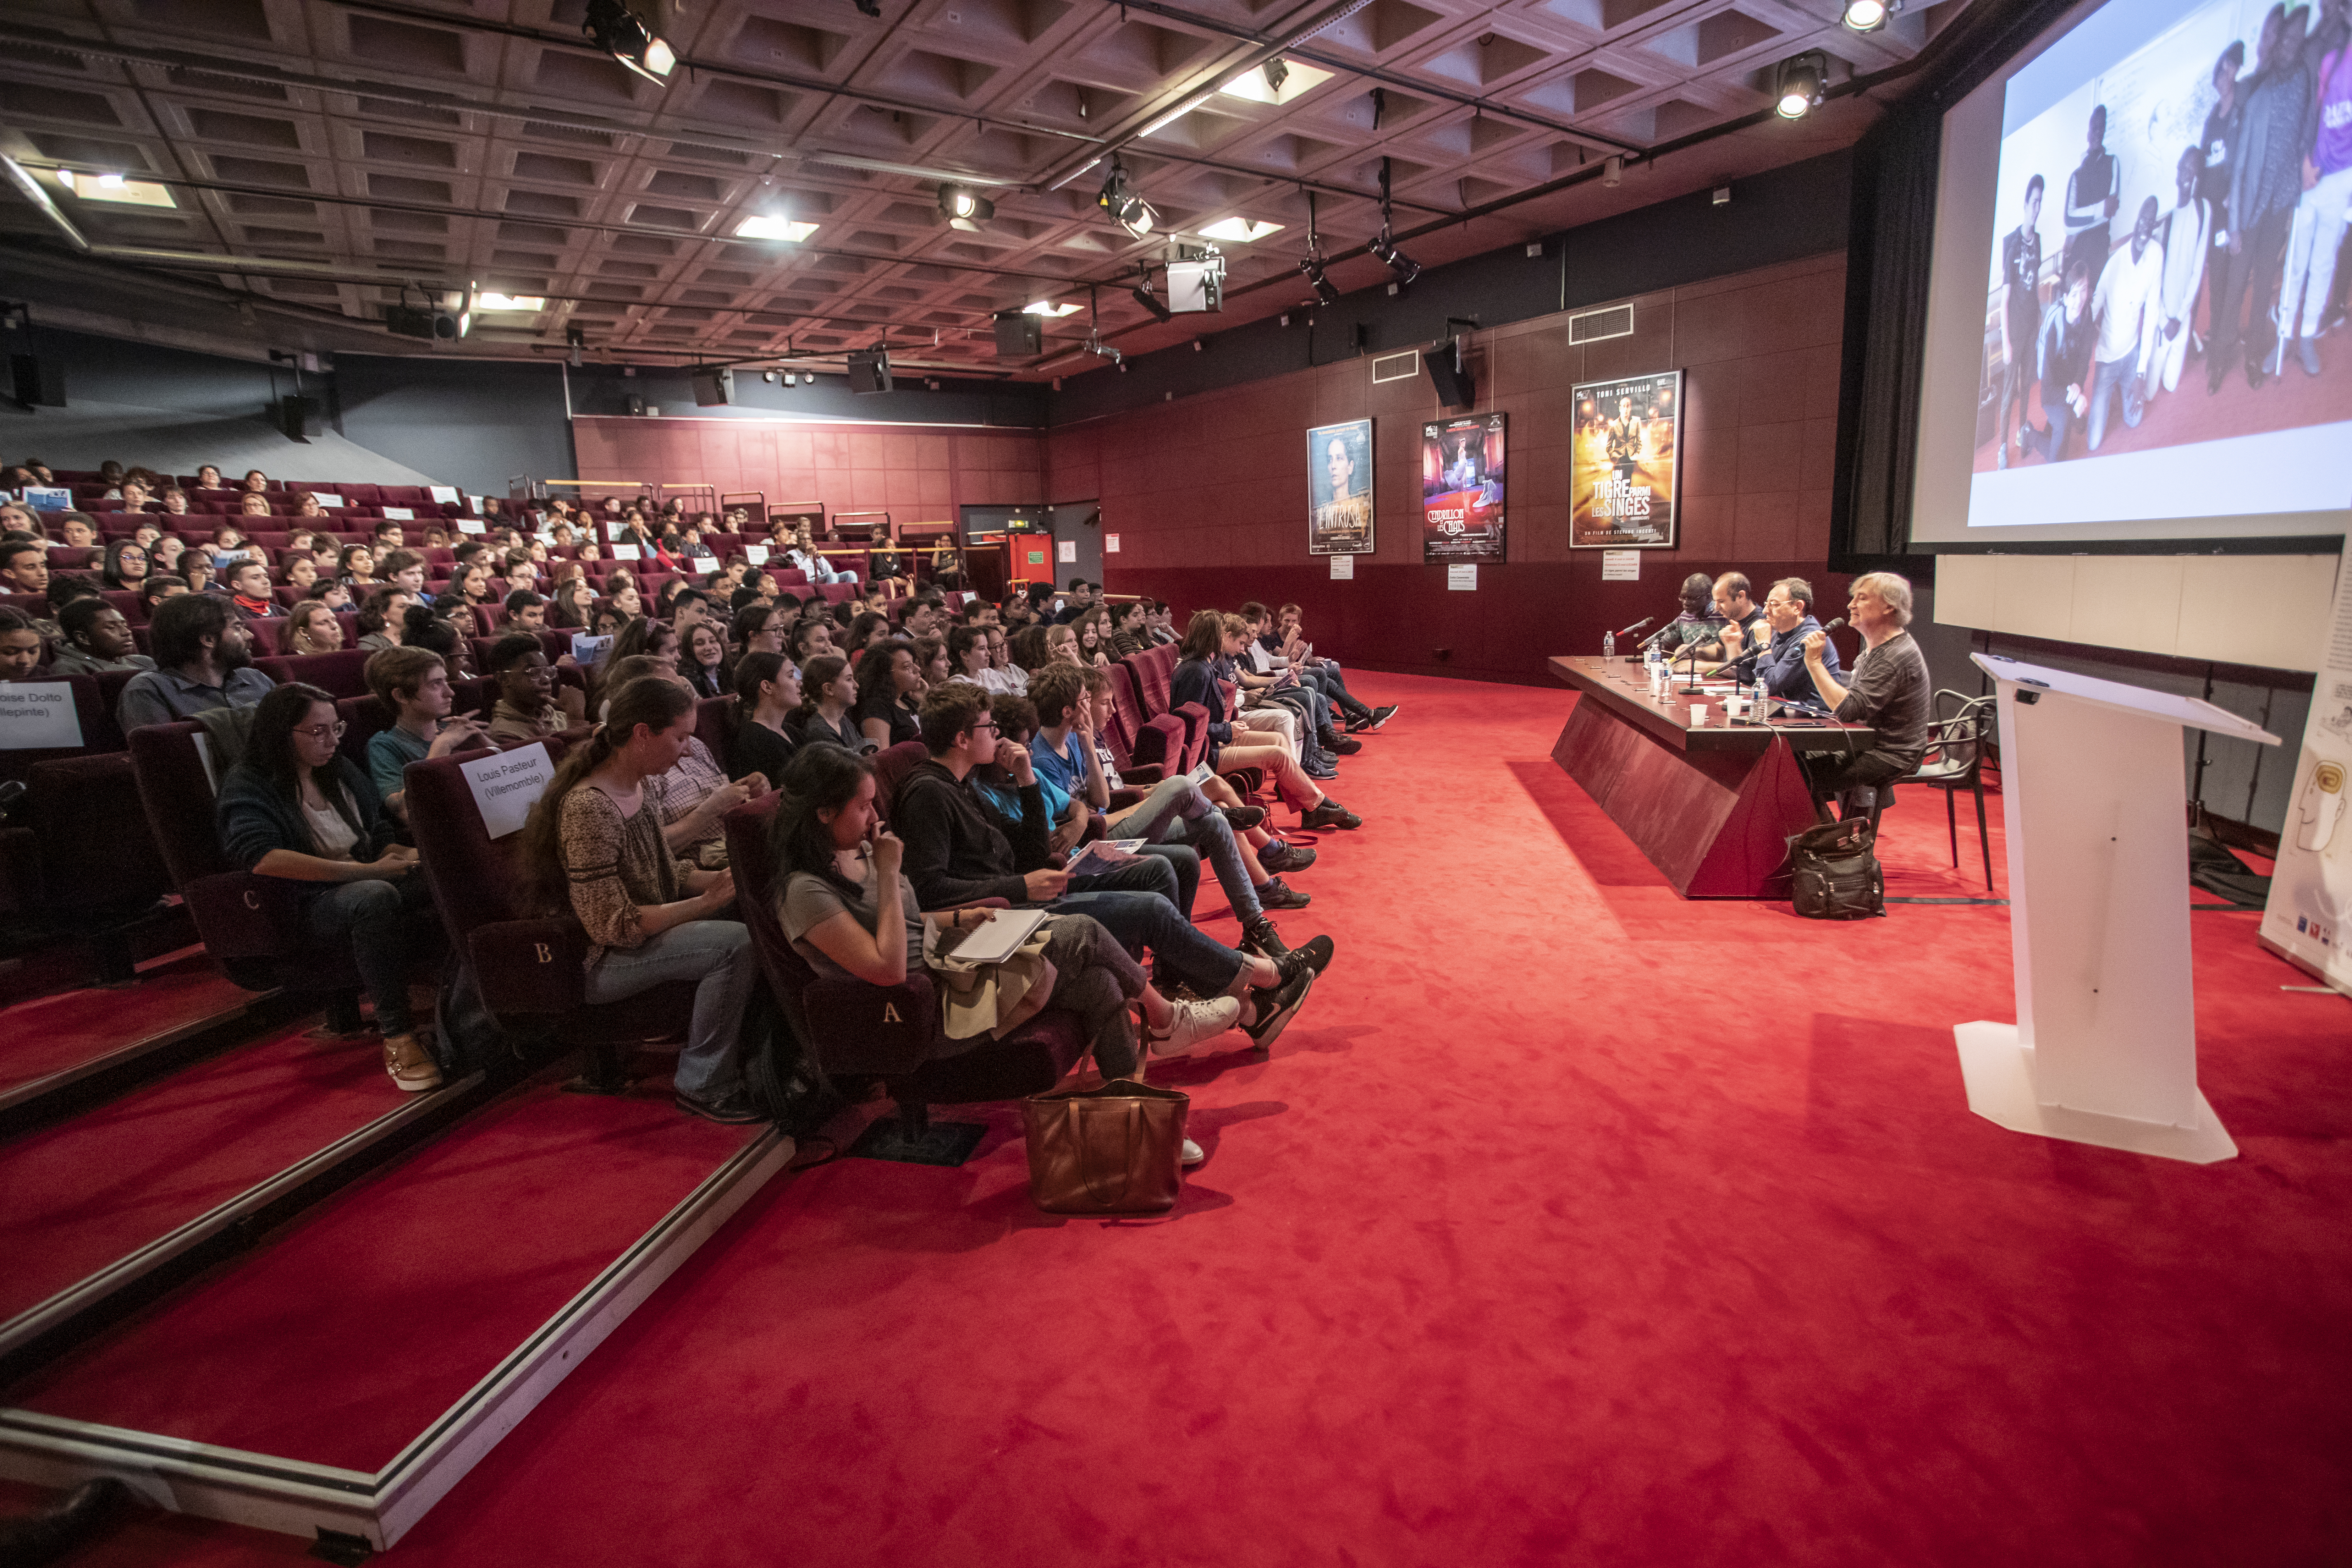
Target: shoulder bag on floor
1834, 872
1116, 1148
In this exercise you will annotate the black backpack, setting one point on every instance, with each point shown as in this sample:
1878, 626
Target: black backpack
1835, 874
781, 1073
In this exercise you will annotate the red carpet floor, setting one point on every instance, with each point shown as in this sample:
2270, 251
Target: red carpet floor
68, 1026
107, 1182
355, 1326
1572, 1223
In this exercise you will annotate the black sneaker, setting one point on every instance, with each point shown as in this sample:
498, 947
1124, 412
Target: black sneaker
1241, 819
1276, 1005
733, 1106
1346, 745
1314, 954
1283, 855
1330, 813
1278, 894
1381, 716
1259, 937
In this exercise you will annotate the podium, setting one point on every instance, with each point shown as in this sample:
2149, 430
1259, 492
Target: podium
2094, 801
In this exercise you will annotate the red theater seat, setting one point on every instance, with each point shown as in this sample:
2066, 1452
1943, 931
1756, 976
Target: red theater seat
340, 674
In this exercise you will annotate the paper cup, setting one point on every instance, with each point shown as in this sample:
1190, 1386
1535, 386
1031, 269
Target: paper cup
1698, 713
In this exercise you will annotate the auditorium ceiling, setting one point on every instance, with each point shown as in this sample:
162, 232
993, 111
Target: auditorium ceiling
391, 149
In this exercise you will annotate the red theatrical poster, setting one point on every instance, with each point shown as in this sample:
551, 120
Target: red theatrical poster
1628, 456
1462, 488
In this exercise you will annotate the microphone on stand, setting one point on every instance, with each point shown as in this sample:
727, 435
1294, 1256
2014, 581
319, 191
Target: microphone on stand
1636, 626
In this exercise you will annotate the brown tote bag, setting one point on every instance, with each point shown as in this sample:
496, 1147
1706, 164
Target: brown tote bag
1116, 1148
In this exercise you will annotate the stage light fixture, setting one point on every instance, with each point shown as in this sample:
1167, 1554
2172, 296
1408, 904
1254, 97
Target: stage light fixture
1869, 15
614, 29
1126, 209
1403, 268
769, 376
1801, 80
1325, 290
964, 207
1276, 73
1612, 170
1148, 300
574, 341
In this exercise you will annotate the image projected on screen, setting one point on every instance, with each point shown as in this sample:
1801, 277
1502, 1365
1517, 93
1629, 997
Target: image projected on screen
2164, 329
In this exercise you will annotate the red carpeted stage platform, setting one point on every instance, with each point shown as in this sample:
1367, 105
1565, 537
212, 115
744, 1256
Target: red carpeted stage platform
1573, 1223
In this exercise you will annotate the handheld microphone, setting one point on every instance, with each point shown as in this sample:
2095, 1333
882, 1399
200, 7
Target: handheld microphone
1636, 626
1834, 622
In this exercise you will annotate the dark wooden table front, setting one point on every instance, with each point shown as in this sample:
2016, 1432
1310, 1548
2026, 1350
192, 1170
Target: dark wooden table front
1711, 805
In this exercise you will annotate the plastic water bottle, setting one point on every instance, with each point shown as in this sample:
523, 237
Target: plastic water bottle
1760, 704
1609, 645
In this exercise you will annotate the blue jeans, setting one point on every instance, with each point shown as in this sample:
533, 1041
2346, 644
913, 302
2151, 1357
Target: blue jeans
1177, 813
2114, 375
384, 925
1327, 678
1148, 922
718, 953
1212, 839
1169, 871
2061, 415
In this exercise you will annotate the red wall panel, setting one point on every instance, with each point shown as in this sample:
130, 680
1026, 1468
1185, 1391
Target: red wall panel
1209, 495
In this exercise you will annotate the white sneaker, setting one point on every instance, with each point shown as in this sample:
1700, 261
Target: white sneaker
1195, 1022
1191, 1154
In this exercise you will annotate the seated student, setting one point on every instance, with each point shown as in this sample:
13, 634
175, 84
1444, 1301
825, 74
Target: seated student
704, 661
175, 500
208, 477
295, 808
247, 583
849, 911
1093, 637
802, 555
623, 590
388, 536
20, 645
807, 639
403, 570
828, 706
1890, 690
1267, 673
531, 704
767, 694
693, 795
356, 566
1288, 638
158, 587
525, 611
78, 532
889, 685
253, 504
1013, 611
755, 628
956, 852
256, 481
573, 603
1128, 633
95, 638
125, 565
311, 627
1002, 676
1780, 660
1737, 617
1067, 755
864, 628
204, 660
422, 626
1076, 603
967, 651
931, 662
24, 567
1210, 636
414, 683
383, 615
885, 570
1698, 624
301, 572
1062, 647
594, 845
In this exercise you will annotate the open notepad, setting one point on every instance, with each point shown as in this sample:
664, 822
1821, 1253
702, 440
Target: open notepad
998, 939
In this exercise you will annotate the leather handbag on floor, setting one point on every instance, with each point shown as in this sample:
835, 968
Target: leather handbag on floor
1834, 872
1116, 1148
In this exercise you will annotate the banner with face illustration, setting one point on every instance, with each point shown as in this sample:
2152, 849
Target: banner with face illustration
2309, 915
1339, 488
1461, 464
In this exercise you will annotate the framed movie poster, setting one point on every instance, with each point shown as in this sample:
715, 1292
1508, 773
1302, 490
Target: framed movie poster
1462, 463
1339, 488
1624, 484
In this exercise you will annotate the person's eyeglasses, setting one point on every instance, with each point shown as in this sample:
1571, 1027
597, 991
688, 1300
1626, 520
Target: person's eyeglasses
985, 725
333, 731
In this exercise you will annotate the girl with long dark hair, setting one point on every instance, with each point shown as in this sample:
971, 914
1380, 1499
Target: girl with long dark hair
126, 564
889, 684
828, 694
767, 694
594, 844
295, 808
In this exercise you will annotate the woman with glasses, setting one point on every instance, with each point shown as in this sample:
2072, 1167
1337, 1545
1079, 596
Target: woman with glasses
126, 564
294, 808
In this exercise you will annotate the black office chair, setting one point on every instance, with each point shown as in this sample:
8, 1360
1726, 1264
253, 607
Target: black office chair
1955, 760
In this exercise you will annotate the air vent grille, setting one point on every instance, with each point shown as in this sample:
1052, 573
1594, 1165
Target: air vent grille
1396, 367
1595, 326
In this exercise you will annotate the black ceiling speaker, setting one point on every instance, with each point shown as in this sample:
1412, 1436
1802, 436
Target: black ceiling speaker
1019, 334
40, 381
869, 370
1450, 374
299, 418
714, 385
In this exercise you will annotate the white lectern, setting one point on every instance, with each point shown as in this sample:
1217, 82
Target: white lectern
2094, 801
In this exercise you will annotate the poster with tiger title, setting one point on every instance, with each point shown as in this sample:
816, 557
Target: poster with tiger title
1623, 482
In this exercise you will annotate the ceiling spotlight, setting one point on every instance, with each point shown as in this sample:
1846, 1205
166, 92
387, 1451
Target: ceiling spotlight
615, 29
869, 7
964, 207
574, 340
1148, 300
1126, 209
1276, 73
1325, 290
1801, 79
1869, 15
769, 376
1403, 267
1612, 170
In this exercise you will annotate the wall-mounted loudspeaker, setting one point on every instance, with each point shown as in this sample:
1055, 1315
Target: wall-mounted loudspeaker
714, 385
1018, 334
1449, 372
299, 418
869, 370
633, 405
40, 383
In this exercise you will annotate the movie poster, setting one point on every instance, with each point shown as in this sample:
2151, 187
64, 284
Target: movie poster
1623, 483
1339, 488
1462, 487
2308, 917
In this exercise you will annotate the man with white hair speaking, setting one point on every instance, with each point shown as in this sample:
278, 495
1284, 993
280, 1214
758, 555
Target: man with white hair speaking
1889, 690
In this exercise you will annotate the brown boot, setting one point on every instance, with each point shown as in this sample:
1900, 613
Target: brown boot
412, 1067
